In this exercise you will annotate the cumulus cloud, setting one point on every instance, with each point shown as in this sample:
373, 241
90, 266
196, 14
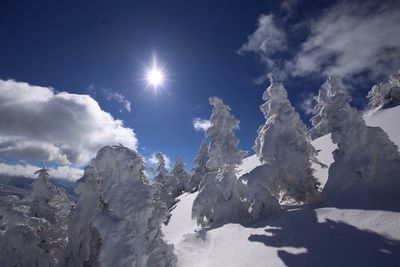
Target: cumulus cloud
346, 39
267, 40
349, 39
121, 99
153, 160
200, 124
27, 170
36, 123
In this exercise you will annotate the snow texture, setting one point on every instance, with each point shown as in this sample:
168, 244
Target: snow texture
118, 217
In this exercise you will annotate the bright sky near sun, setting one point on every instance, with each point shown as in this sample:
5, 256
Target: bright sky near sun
147, 69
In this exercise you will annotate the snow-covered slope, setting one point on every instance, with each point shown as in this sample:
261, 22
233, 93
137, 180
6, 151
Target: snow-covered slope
297, 237
321, 237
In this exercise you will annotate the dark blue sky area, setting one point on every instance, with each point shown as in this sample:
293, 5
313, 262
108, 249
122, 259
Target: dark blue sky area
74, 45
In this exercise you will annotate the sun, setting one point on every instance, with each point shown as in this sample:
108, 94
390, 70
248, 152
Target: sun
155, 77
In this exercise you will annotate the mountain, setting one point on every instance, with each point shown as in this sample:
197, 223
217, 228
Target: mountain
20, 185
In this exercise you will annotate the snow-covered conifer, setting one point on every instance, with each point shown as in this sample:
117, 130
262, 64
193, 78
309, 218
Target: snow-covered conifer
24, 240
180, 175
283, 143
223, 142
219, 200
199, 168
35, 228
385, 92
118, 217
321, 126
366, 170
166, 184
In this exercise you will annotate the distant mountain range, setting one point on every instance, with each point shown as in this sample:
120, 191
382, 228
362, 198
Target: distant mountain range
20, 186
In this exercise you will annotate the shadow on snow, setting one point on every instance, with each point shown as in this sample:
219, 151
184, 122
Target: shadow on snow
327, 243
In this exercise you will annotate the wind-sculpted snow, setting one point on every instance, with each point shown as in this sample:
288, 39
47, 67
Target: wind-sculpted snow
283, 143
366, 171
118, 217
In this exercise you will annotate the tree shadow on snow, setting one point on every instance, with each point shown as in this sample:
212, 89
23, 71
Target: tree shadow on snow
327, 243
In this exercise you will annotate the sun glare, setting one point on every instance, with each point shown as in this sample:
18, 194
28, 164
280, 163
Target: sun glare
155, 77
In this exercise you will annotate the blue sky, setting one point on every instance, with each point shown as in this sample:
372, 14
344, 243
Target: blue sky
102, 48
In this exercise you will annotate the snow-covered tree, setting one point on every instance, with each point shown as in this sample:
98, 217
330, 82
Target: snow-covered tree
283, 143
199, 168
180, 175
366, 170
222, 149
166, 184
385, 92
320, 126
219, 200
35, 228
48, 201
23, 239
118, 217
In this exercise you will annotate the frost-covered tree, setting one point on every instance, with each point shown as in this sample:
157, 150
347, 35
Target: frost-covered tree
321, 126
283, 143
34, 229
386, 92
219, 200
48, 201
52, 204
180, 175
199, 168
118, 217
366, 170
23, 239
222, 149
167, 185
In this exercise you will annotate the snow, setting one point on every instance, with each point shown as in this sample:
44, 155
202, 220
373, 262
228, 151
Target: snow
387, 119
248, 164
296, 237
321, 237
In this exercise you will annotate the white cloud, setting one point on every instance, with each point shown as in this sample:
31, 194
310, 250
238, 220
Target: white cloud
27, 170
121, 99
307, 104
346, 39
200, 124
153, 160
38, 124
349, 39
265, 41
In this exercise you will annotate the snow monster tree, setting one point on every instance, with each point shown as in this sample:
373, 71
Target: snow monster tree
218, 200
366, 171
283, 145
118, 217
